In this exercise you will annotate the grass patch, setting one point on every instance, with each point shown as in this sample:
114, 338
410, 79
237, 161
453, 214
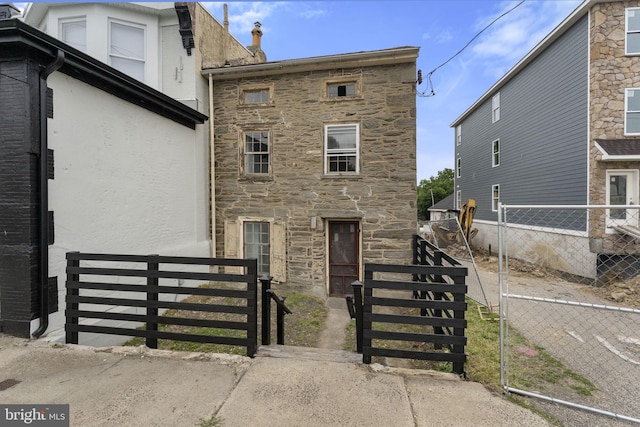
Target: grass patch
530, 366
302, 327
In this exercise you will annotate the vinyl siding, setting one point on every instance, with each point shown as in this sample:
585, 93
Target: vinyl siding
542, 131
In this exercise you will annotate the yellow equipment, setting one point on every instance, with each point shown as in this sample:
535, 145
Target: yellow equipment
466, 219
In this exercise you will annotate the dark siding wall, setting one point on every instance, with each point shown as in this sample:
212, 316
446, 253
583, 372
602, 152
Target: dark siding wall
18, 196
542, 132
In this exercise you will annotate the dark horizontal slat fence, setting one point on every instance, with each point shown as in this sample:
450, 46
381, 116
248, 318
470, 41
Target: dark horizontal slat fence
93, 307
441, 304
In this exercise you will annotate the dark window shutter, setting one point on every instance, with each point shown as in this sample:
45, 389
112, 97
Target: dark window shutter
50, 164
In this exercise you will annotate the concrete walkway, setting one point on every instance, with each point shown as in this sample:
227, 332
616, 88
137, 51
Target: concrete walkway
132, 386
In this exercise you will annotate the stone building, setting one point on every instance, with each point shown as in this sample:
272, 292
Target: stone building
313, 165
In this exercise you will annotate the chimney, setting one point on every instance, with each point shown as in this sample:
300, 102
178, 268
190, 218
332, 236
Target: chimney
257, 34
8, 11
226, 18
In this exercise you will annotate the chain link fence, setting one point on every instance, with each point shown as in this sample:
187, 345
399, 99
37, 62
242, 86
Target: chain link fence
569, 286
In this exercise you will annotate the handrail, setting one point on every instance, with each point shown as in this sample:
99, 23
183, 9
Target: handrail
279, 301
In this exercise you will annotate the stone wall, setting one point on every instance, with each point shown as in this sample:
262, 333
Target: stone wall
297, 193
611, 73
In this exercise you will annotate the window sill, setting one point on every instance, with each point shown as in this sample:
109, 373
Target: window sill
255, 178
341, 98
257, 105
342, 175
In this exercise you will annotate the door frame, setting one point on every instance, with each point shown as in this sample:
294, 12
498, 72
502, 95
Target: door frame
327, 227
633, 193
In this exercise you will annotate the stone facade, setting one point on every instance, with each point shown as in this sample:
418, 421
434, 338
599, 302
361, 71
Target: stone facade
297, 198
611, 72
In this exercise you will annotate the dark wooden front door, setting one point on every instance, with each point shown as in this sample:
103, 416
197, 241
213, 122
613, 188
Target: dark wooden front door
344, 256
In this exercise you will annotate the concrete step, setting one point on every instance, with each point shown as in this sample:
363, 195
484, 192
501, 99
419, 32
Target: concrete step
308, 353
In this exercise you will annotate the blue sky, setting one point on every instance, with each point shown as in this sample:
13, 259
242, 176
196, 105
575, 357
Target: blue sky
300, 29
439, 27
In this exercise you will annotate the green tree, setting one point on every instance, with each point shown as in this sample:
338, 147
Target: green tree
441, 186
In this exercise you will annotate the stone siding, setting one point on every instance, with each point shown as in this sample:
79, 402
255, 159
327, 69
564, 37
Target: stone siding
297, 193
611, 73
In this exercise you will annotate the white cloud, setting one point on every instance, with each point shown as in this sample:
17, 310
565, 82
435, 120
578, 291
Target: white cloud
515, 34
444, 36
313, 13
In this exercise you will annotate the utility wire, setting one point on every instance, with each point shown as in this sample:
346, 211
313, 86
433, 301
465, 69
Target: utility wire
430, 83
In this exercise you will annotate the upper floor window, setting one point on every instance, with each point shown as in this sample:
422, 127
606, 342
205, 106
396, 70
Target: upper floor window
342, 145
495, 197
632, 42
495, 151
256, 95
458, 199
495, 108
127, 48
458, 168
256, 152
458, 134
73, 31
632, 111
341, 89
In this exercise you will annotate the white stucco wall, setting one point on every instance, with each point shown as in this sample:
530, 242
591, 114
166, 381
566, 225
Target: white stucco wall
126, 181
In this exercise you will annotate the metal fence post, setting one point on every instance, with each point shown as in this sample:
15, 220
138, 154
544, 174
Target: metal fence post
152, 299
280, 322
266, 309
357, 294
71, 337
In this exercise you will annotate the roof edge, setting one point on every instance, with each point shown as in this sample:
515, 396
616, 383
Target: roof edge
346, 60
574, 17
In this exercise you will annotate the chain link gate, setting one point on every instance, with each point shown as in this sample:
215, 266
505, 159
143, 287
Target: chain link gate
569, 286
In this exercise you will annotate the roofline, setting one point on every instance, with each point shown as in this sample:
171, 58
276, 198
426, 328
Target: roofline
554, 35
89, 70
346, 60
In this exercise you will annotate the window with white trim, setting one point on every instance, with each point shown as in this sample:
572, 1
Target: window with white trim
495, 153
495, 108
256, 152
622, 189
73, 31
632, 31
256, 244
127, 48
458, 168
458, 134
495, 197
458, 199
341, 147
632, 111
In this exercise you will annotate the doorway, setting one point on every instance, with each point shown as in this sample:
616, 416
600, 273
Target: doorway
344, 256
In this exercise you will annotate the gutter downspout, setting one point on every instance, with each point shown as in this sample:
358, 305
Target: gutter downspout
44, 196
212, 167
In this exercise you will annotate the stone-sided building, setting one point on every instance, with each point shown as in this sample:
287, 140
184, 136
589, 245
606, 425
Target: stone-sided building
314, 165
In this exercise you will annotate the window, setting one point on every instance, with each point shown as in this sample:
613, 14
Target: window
342, 149
495, 158
458, 134
632, 112
632, 42
127, 49
495, 108
256, 152
458, 168
256, 244
622, 189
256, 96
341, 89
495, 197
74, 33
458, 199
